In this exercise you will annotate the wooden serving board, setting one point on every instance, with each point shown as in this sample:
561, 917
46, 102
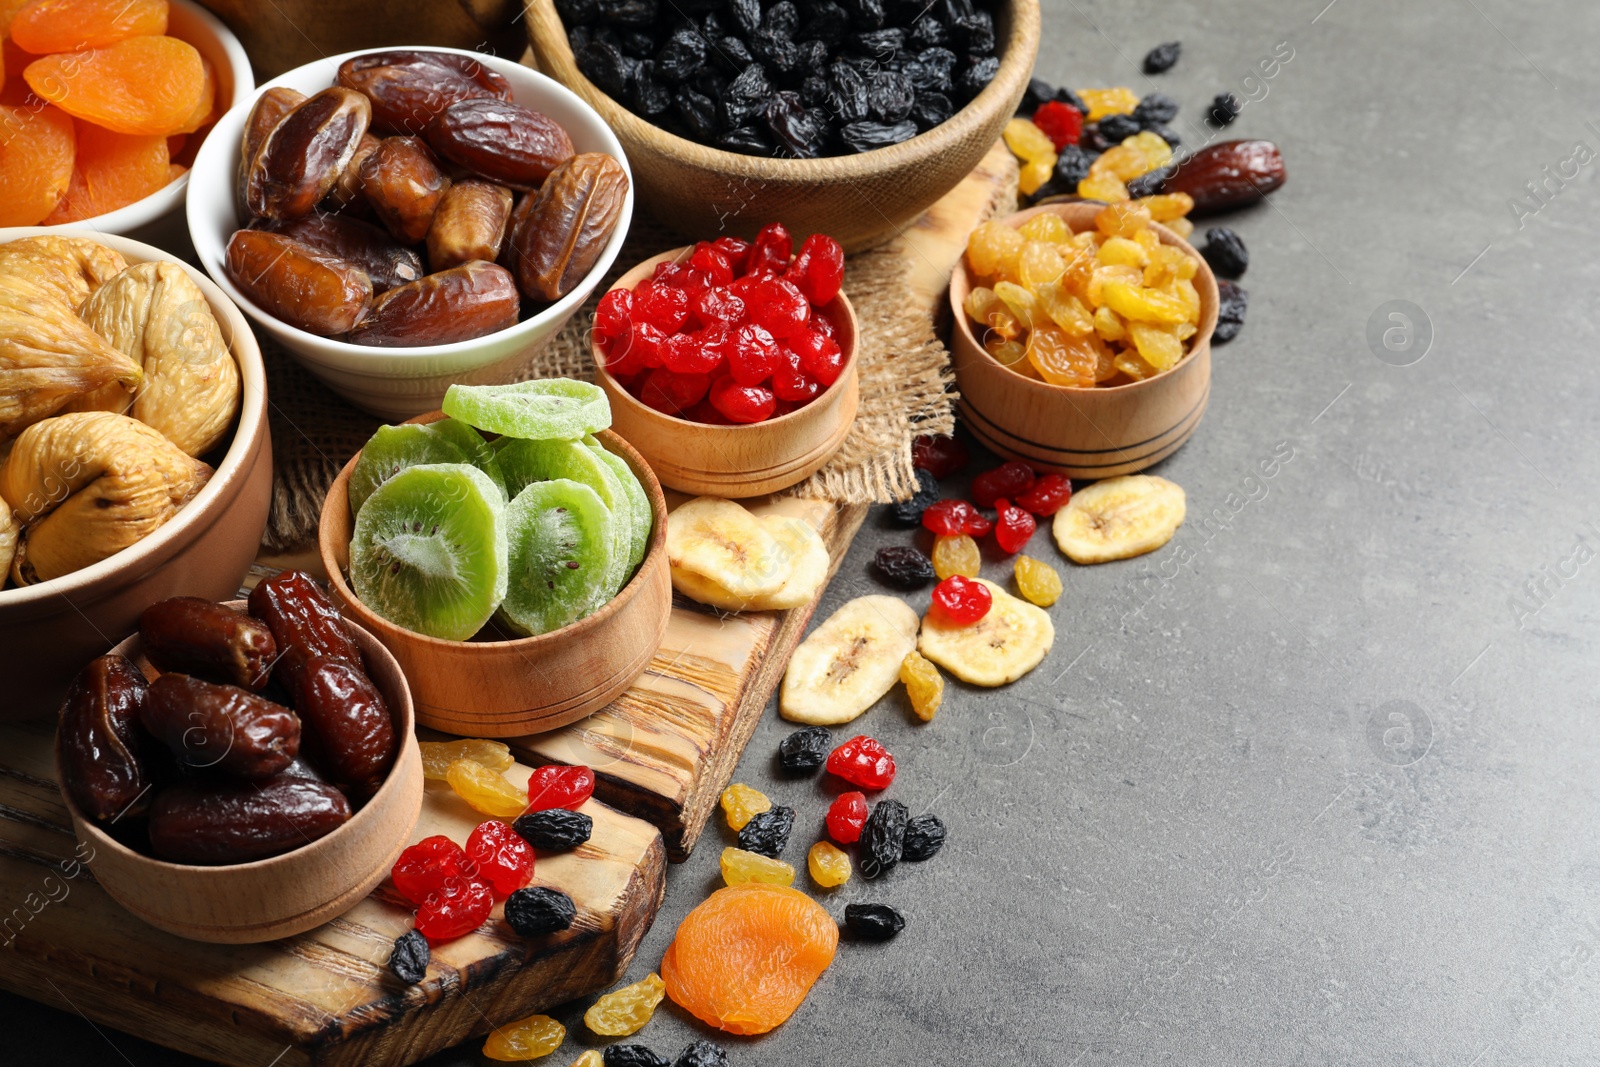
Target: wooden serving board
323, 997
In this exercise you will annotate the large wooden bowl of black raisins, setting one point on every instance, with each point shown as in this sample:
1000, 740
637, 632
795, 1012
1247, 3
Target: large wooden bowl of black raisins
846, 118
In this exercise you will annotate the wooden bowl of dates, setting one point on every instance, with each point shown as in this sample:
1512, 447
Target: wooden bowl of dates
51, 629
431, 310
1097, 432
492, 687
738, 461
862, 200
285, 894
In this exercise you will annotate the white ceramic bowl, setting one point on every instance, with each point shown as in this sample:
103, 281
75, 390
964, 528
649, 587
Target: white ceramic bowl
398, 383
157, 219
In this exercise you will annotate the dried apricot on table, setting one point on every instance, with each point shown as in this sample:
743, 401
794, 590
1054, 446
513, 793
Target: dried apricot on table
47, 26
37, 149
148, 85
744, 959
112, 170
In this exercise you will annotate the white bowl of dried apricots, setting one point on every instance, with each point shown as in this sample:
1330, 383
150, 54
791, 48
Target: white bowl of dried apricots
1082, 337
105, 106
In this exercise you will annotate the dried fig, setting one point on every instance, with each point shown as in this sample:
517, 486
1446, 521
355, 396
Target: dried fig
502, 141
89, 484
304, 154
97, 740
387, 263
308, 289
408, 88
70, 267
157, 315
403, 183
561, 235
469, 224
468, 301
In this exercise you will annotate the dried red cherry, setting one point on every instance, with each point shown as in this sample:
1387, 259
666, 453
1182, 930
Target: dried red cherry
962, 600
1008, 480
1012, 527
1048, 495
952, 518
557, 786
863, 761
846, 816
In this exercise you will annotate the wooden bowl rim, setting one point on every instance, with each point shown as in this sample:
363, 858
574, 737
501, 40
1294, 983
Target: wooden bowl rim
1016, 65
1067, 211
637, 274
338, 496
402, 710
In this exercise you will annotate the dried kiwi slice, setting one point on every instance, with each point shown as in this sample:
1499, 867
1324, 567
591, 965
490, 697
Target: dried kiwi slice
552, 407
394, 448
639, 516
429, 550
527, 462
562, 552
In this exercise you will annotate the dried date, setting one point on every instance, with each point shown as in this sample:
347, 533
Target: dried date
501, 141
469, 224
301, 616
97, 741
568, 224
463, 302
304, 154
1229, 175
236, 822
306, 288
346, 192
349, 733
192, 635
388, 263
220, 727
408, 89
269, 110
402, 181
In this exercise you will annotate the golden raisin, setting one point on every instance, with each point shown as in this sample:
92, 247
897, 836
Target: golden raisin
1046, 226
625, 1011
438, 755
484, 790
829, 865
1028, 142
956, 555
1102, 102
993, 249
1037, 581
591, 1058
740, 804
740, 867
525, 1039
924, 685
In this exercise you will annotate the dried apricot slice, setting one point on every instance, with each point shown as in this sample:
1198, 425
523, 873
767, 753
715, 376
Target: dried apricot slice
148, 85
46, 26
37, 147
745, 958
112, 170
205, 111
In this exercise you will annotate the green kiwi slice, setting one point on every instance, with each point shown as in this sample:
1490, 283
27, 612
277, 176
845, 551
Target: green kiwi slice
394, 448
429, 550
527, 462
561, 558
550, 408
639, 517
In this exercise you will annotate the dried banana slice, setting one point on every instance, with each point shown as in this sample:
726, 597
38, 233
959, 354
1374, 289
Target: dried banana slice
1008, 642
48, 356
720, 540
799, 541
849, 662
1119, 518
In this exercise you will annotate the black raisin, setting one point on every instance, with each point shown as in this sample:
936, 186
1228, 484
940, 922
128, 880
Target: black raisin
933, 69
1232, 302
848, 98
628, 12
813, 58
745, 98
1224, 109
632, 1056
1072, 99
889, 97
780, 54
1226, 253
576, 12
869, 13
698, 112
554, 829
782, 18
814, 90
606, 66
1039, 93
974, 32
979, 73
746, 15
1072, 166
702, 1054
883, 838
800, 130
1150, 183
732, 53
1167, 134
909, 512
647, 96
768, 832
829, 23
1162, 57
931, 109
1118, 128
710, 82
928, 30
746, 139
880, 44
924, 837
866, 136
903, 567
1093, 141
873, 922
539, 910
806, 749
683, 55
1154, 109
638, 44
408, 960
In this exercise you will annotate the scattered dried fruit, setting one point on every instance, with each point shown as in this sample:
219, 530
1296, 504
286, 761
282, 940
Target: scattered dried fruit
624, 1011
740, 803
873, 922
740, 866
539, 910
828, 864
525, 1039
924, 685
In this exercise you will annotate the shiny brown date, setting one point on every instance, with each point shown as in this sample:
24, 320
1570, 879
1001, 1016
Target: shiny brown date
236, 822
403, 183
469, 224
97, 741
349, 734
565, 229
220, 727
308, 289
502, 141
409, 88
301, 616
346, 192
304, 154
192, 635
269, 109
463, 302
1228, 175
387, 263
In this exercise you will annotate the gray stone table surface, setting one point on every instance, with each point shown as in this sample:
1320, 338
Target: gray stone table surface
1323, 793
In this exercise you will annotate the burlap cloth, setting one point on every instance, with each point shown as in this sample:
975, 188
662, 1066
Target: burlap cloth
905, 378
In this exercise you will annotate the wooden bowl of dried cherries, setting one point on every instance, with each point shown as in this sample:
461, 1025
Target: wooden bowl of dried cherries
241, 772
